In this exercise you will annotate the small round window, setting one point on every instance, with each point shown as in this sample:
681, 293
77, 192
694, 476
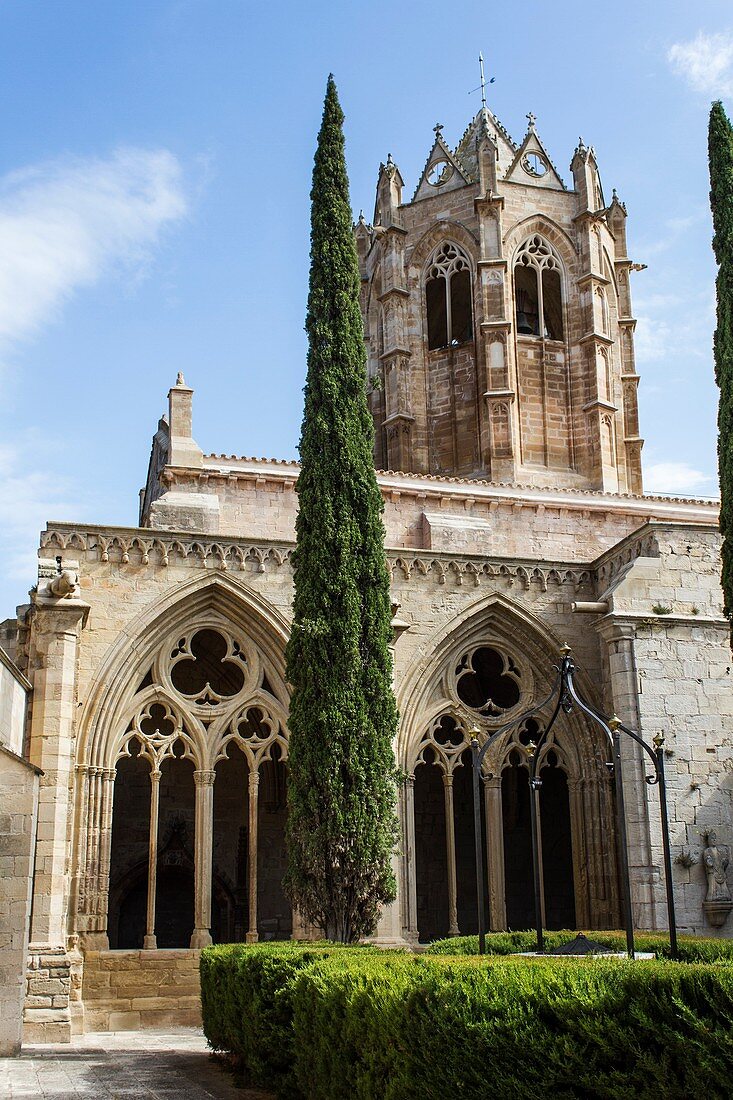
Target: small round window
534, 164
439, 173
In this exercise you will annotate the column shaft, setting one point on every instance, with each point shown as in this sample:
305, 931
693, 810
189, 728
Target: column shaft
495, 853
150, 942
203, 842
254, 785
411, 901
450, 839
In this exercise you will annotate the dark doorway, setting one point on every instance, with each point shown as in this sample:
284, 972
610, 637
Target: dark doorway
128, 876
274, 915
174, 915
557, 851
466, 848
174, 909
231, 810
431, 863
517, 845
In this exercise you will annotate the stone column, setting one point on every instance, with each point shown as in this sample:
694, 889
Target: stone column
411, 927
203, 842
56, 627
495, 853
93, 855
254, 786
101, 906
450, 840
150, 942
581, 858
619, 636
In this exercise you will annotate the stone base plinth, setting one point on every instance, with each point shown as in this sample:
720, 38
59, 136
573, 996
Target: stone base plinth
47, 1012
127, 990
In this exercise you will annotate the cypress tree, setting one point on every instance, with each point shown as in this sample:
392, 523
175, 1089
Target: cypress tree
341, 828
720, 151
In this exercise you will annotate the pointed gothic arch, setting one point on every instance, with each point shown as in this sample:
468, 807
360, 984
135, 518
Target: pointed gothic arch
517, 654
208, 657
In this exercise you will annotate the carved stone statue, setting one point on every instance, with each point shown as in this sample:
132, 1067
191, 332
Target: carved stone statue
718, 901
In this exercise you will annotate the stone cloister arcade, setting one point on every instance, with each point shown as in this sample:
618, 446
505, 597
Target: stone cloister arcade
185, 772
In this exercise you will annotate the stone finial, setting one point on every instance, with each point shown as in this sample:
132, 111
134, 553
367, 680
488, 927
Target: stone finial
531, 119
180, 381
438, 129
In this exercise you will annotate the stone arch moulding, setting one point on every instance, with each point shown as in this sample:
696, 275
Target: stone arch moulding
492, 617
118, 677
116, 696
541, 225
498, 621
442, 231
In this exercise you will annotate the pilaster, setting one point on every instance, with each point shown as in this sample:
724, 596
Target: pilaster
647, 900
56, 627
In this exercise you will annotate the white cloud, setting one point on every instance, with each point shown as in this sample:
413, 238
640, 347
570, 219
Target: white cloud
66, 223
677, 477
31, 492
706, 62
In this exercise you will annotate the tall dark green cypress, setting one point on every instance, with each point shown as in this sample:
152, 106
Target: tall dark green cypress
720, 151
343, 717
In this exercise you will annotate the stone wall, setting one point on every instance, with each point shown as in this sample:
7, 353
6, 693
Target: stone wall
127, 990
669, 607
18, 819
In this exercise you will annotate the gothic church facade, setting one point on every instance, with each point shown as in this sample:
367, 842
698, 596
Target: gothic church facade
501, 378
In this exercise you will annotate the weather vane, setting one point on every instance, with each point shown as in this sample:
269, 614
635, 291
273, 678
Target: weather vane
482, 85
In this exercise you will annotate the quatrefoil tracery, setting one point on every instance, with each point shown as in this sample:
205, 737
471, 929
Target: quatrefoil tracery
208, 668
443, 744
258, 734
158, 730
488, 681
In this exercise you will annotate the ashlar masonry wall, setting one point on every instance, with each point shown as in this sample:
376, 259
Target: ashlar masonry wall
667, 618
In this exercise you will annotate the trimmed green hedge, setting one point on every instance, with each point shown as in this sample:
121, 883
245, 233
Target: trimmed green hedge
320, 1023
246, 1003
691, 948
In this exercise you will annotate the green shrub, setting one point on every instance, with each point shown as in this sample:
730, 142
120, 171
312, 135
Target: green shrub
246, 1003
691, 948
320, 1023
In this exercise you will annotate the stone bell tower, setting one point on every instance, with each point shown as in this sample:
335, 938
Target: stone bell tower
497, 315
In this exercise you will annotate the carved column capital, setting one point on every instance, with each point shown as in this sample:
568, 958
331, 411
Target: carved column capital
204, 778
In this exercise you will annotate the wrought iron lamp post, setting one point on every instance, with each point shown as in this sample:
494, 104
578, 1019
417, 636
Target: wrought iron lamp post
565, 697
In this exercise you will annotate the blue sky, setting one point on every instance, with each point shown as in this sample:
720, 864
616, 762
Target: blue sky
155, 163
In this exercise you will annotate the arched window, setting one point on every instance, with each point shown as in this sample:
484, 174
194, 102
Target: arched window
538, 290
448, 298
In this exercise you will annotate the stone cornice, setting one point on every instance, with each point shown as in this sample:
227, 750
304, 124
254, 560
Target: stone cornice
141, 546
652, 506
136, 546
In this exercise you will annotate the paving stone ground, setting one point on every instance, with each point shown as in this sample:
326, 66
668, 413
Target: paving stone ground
122, 1064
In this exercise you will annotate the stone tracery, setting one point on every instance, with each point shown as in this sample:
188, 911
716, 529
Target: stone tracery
207, 690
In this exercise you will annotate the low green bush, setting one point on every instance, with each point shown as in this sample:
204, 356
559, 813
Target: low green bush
246, 1003
320, 1023
691, 948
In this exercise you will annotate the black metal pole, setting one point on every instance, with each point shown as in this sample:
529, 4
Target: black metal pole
614, 725
478, 845
667, 854
534, 786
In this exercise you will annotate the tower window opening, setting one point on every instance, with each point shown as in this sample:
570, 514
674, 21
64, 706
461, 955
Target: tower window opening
538, 291
448, 298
